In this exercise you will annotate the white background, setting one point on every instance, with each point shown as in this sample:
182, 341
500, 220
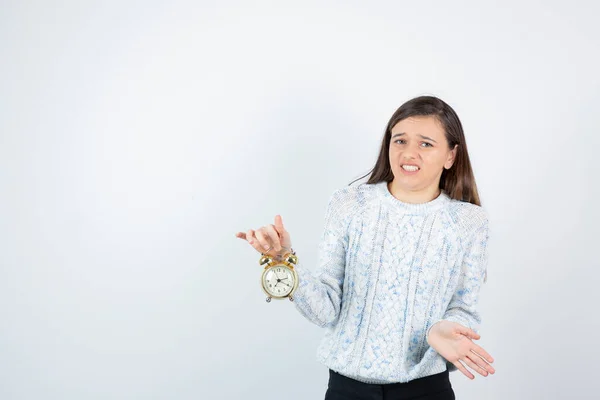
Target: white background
136, 138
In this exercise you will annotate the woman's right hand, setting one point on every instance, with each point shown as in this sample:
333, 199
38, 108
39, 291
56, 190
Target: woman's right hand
454, 342
272, 237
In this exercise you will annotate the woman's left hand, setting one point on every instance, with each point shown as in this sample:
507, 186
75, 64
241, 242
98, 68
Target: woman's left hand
453, 342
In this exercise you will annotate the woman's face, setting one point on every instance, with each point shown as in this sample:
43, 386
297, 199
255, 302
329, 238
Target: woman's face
419, 153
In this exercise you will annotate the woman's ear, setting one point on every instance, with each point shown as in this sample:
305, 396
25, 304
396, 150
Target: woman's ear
451, 157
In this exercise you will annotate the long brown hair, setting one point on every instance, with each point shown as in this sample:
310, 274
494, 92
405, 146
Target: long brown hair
458, 181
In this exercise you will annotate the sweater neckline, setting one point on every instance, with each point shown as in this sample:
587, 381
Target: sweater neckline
411, 208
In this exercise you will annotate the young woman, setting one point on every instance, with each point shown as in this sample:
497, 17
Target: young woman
401, 262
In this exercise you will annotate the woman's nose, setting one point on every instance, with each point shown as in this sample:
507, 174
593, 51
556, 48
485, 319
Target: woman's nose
411, 152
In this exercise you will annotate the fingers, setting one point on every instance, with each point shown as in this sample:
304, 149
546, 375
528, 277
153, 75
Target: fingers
482, 353
273, 236
470, 333
482, 358
481, 361
462, 369
284, 236
269, 238
477, 362
474, 335
475, 367
279, 225
254, 241
263, 239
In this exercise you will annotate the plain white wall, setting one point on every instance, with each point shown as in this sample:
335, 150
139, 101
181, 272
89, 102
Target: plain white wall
136, 138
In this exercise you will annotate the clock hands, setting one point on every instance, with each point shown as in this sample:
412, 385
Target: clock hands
281, 281
277, 280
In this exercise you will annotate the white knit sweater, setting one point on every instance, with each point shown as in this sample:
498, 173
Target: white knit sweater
387, 271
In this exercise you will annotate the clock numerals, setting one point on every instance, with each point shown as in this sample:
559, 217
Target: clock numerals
278, 281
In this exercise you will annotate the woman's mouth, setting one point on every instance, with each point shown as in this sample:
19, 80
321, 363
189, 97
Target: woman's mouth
409, 169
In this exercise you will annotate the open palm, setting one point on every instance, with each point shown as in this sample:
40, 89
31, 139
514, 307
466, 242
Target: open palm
454, 342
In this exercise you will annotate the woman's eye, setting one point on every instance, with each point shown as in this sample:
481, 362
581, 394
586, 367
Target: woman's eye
423, 144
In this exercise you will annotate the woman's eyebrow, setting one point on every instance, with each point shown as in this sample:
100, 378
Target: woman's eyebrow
423, 136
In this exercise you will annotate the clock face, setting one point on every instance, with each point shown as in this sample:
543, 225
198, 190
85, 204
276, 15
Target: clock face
278, 280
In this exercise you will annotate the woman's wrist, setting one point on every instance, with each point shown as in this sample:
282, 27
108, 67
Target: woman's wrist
282, 253
431, 328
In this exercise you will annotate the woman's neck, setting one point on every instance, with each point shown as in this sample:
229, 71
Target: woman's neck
414, 197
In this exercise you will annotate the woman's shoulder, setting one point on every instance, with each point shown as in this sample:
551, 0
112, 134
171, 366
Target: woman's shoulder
351, 198
467, 216
355, 193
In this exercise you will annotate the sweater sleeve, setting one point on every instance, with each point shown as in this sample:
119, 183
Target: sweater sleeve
318, 296
462, 308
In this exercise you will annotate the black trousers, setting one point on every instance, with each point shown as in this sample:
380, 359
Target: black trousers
433, 387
